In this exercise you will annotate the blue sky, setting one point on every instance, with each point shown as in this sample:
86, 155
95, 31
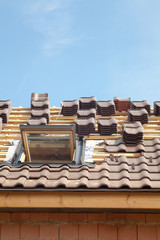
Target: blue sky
79, 48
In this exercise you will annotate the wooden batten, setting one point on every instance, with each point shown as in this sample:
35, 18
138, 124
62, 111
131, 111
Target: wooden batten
11, 131
102, 155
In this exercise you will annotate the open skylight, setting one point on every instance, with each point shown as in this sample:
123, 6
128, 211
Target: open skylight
51, 143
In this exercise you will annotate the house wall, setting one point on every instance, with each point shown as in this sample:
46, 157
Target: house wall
88, 226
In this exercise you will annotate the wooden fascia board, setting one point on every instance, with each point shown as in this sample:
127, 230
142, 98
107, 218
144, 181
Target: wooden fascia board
81, 200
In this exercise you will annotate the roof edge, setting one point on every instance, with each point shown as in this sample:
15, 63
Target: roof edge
80, 200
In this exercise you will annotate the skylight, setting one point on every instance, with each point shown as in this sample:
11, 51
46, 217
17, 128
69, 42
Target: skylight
51, 143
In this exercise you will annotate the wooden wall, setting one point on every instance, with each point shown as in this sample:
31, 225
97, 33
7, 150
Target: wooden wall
88, 226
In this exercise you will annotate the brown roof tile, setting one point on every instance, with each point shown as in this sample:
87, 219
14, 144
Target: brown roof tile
138, 115
41, 121
131, 172
157, 108
149, 147
37, 114
6, 104
87, 102
69, 108
4, 114
123, 148
122, 104
141, 104
85, 127
105, 108
132, 133
40, 105
107, 126
83, 114
39, 97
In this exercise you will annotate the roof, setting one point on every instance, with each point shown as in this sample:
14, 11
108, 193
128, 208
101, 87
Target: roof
118, 173
118, 164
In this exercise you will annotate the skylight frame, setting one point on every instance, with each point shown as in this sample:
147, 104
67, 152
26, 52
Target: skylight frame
48, 129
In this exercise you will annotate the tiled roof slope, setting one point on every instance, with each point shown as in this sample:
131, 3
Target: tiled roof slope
118, 165
113, 173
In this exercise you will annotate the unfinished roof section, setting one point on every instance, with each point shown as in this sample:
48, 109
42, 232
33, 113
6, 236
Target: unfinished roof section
130, 164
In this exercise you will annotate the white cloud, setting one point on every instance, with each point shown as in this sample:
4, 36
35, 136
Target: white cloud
45, 6
52, 20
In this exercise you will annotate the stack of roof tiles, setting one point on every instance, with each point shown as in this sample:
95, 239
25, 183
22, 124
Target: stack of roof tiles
157, 108
40, 107
122, 104
85, 127
85, 114
140, 115
132, 133
6, 104
87, 102
5, 110
141, 104
69, 108
105, 108
107, 126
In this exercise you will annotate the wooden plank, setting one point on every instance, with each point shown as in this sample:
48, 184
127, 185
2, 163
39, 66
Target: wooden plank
20, 108
11, 131
116, 117
80, 200
2, 147
10, 137
11, 121
5, 142
100, 137
61, 122
20, 113
60, 117
19, 117
102, 155
152, 126
11, 126
3, 154
151, 136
